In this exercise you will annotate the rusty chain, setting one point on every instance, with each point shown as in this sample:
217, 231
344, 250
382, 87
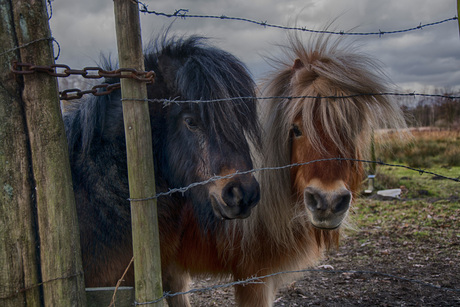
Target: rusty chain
75, 93
63, 71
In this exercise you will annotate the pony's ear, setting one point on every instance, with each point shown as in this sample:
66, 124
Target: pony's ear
297, 65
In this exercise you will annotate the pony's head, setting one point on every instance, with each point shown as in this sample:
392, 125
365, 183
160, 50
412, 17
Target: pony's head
332, 117
201, 140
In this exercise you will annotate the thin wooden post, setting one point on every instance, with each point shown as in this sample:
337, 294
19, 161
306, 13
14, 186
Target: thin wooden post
458, 15
18, 261
373, 166
60, 256
146, 247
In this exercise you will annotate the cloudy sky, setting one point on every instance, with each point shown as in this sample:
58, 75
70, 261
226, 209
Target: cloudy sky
416, 61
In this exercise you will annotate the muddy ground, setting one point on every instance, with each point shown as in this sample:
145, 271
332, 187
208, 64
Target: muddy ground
383, 263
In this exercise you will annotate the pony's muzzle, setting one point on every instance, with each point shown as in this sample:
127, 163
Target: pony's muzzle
327, 208
236, 198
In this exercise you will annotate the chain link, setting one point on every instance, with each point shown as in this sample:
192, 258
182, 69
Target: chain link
76, 93
63, 71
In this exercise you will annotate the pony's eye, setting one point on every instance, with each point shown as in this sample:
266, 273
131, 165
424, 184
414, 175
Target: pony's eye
297, 132
190, 122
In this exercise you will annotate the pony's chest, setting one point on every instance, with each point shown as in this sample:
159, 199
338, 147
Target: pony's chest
198, 251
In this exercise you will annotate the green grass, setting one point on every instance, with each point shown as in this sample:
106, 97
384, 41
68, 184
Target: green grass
419, 185
429, 207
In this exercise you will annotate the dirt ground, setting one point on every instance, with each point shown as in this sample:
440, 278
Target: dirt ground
390, 265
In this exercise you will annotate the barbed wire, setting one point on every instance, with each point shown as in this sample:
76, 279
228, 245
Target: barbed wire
237, 173
33, 42
257, 279
183, 14
251, 280
15, 293
176, 100
77, 93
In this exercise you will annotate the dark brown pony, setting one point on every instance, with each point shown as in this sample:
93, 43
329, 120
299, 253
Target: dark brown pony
191, 142
302, 209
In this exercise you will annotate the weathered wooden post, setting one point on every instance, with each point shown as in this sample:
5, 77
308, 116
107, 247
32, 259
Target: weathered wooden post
18, 261
48, 164
147, 264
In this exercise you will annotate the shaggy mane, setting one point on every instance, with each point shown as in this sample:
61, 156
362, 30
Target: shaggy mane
204, 72
329, 68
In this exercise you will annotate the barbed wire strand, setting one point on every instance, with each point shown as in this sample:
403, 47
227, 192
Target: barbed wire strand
40, 284
79, 93
183, 13
33, 42
175, 100
253, 280
257, 279
216, 178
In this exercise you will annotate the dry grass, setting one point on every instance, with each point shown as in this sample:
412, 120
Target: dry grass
428, 148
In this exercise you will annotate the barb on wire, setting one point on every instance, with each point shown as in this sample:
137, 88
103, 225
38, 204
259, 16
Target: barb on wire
216, 178
257, 279
184, 13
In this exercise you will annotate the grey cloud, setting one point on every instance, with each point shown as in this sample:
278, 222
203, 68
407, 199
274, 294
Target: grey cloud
427, 57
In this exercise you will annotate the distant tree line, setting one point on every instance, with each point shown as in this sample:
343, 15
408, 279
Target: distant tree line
432, 111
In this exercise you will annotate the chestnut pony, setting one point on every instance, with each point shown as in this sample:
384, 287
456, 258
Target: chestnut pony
302, 208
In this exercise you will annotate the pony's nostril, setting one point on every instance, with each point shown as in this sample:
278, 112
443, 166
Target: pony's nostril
232, 194
314, 200
236, 194
342, 202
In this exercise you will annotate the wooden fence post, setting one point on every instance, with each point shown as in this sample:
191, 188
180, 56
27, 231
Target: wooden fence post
18, 261
458, 15
59, 243
146, 247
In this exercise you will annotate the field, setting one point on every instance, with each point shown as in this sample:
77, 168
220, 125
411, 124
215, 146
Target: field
399, 252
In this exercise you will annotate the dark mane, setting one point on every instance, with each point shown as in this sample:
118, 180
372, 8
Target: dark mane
204, 72
207, 73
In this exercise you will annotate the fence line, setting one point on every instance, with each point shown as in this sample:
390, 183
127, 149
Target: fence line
237, 173
63, 71
413, 94
77, 94
183, 13
257, 279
